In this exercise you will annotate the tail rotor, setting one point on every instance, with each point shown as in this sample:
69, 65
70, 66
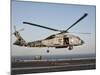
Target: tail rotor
17, 31
19, 40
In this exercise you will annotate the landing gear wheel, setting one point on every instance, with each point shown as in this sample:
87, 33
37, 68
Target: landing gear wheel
70, 47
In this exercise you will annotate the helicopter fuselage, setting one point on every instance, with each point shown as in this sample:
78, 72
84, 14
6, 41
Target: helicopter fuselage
57, 41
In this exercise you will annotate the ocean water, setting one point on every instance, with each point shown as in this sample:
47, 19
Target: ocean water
55, 57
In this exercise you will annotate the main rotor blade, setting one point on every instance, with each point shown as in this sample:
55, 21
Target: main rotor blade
41, 26
80, 32
77, 21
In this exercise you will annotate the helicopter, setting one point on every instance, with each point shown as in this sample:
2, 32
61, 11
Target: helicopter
62, 39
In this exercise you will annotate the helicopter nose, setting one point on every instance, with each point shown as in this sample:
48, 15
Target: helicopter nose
82, 42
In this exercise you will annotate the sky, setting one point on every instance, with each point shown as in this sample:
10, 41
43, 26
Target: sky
58, 16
